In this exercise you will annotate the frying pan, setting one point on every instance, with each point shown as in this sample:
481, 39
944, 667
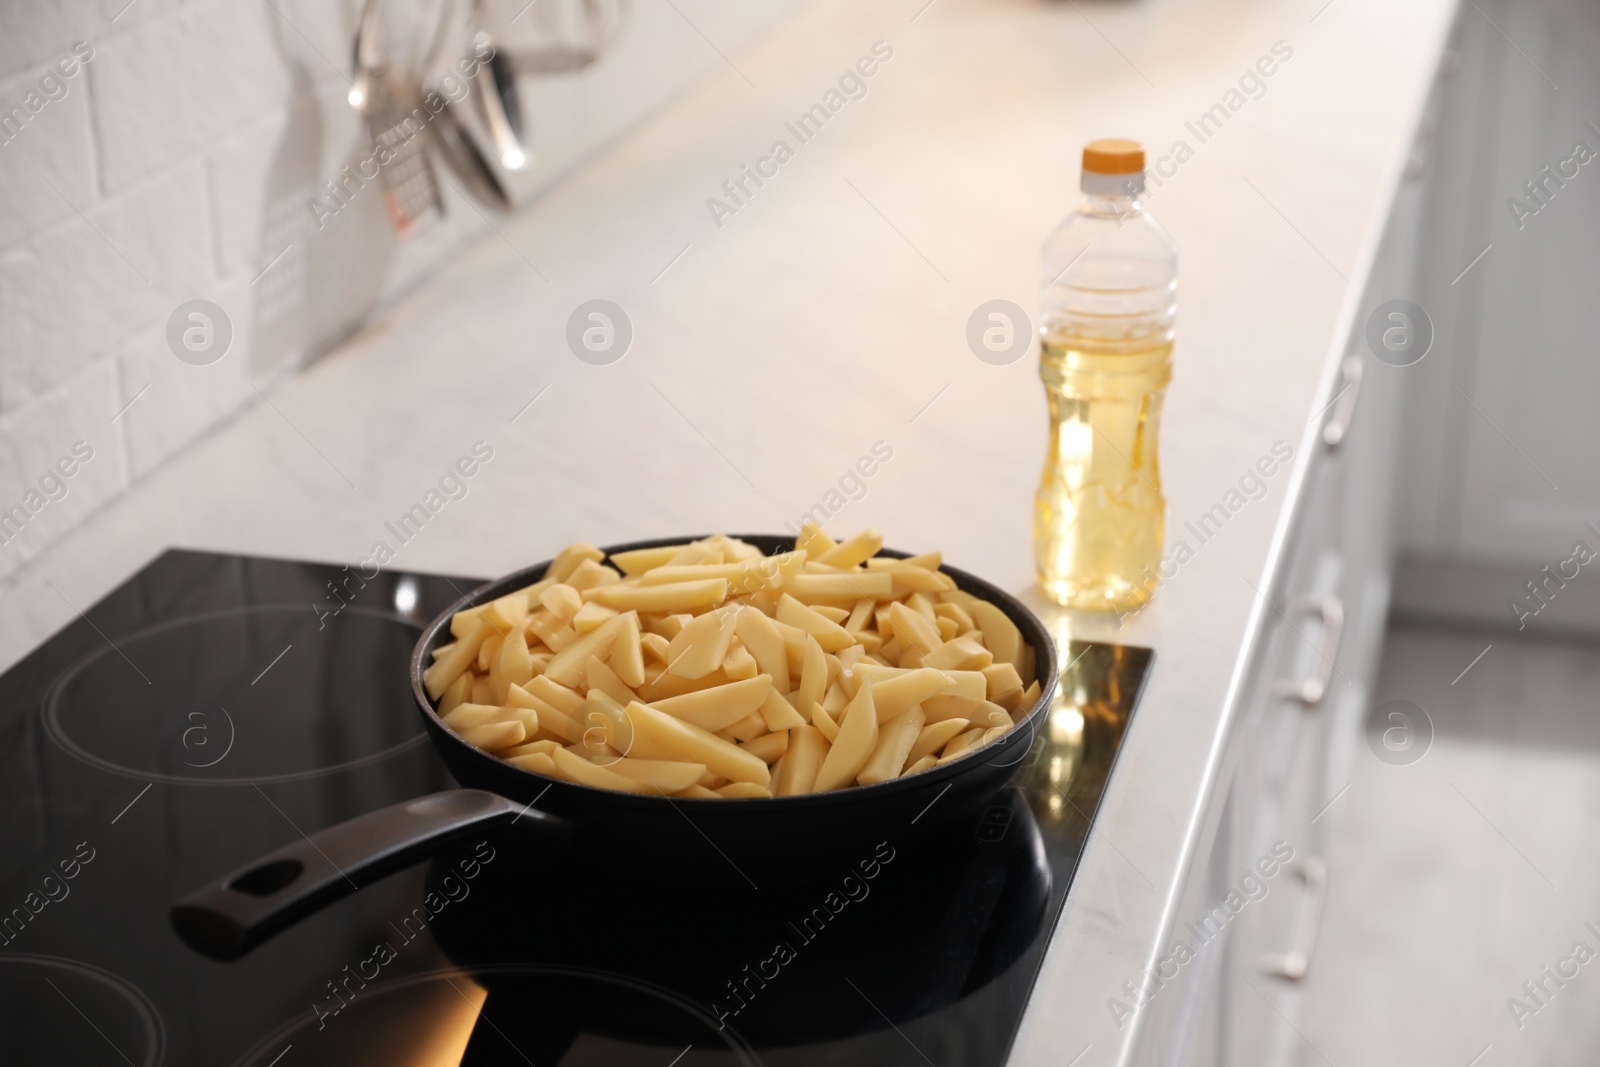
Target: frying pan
719, 844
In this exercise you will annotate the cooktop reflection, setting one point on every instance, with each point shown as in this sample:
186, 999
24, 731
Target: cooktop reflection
215, 707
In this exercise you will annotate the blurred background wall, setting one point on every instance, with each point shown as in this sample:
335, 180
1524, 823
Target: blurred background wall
178, 160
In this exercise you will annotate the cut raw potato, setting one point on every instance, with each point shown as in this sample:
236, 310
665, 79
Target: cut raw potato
778, 713
807, 748
765, 644
860, 548
852, 745
665, 776
742, 791
577, 769
894, 745
562, 601
934, 737
627, 655
701, 645
707, 670
680, 596
720, 706
492, 736
897, 695
569, 558
848, 587
1000, 634
829, 634
823, 720
768, 747
590, 616
813, 676
692, 744
641, 560
568, 666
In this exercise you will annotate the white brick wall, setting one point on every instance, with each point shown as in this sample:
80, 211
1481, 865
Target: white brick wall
178, 164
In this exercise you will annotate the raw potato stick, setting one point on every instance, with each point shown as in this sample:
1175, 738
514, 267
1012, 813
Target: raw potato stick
494, 735
807, 749
742, 791
894, 745
764, 642
829, 634
813, 676
462, 655
700, 646
857, 737
778, 713
627, 655
577, 769
719, 707
567, 668
693, 744
769, 747
933, 737
664, 776
895, 696
824, 722
679, 596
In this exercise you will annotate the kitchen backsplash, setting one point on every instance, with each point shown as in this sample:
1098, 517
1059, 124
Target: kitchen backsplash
155, 152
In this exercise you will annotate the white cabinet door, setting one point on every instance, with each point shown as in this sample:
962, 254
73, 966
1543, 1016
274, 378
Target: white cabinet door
1310, 688
1500, 460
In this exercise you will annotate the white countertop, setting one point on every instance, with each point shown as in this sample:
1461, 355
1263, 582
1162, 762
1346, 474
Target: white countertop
824, 317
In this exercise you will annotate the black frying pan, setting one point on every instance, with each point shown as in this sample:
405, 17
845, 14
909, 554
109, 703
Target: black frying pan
716, 843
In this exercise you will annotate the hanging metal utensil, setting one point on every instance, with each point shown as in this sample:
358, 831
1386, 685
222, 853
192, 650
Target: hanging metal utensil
602, 21
451, 131
391, 102
497, 96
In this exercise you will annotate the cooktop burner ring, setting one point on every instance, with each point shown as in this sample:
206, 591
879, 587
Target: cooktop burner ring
263, 1052
153, 1030
52, 705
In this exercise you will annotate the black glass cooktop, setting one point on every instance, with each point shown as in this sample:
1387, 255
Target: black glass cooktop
214, 708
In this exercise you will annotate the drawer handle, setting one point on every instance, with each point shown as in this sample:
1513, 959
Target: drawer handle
1294, 964
1311, 691
1333, 432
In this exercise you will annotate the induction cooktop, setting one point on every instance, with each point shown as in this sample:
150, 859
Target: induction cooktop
216, 707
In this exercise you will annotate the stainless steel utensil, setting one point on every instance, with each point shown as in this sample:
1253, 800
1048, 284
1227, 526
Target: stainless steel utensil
497, 97
602, 19
390, 102
466, 160
451, 131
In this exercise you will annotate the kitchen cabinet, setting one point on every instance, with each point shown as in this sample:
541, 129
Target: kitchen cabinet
1501, 434
1263, 878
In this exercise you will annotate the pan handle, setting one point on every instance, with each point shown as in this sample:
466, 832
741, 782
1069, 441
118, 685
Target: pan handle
230, 917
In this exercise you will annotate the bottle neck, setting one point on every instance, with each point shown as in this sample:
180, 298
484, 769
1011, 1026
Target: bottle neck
1113, 207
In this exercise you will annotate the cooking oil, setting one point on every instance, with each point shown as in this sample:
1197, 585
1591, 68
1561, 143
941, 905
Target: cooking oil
1106, 359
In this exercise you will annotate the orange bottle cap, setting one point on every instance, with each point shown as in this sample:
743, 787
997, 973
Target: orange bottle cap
1113, 155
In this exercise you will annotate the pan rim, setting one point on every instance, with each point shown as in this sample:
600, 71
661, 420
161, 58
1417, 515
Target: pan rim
1032, 628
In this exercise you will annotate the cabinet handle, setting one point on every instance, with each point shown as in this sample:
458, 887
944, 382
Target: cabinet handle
1333, 432
1314, 687
1294, 964
1422, 147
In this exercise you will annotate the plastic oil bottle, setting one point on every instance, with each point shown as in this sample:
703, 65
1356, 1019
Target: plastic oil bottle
1110, 299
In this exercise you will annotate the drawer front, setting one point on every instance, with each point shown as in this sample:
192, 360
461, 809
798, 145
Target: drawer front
1251, 906
1306, 704
1183, 1017
1281, 775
